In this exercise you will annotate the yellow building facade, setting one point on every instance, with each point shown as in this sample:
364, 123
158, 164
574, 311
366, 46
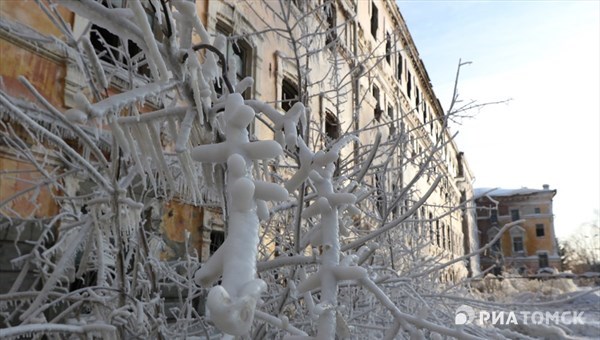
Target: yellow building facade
529, 245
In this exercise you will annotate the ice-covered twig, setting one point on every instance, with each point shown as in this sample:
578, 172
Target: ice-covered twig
108, 331
231, 305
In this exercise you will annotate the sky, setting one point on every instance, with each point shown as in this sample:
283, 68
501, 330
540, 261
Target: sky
542, 56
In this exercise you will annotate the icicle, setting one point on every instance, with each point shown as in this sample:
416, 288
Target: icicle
76, 116
67, 257
157, 66
119, 136
95, 62
142, 142
156, 4
184, 131
158, 154
188, 12
139, 167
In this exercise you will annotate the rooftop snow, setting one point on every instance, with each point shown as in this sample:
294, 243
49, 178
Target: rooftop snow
496, 192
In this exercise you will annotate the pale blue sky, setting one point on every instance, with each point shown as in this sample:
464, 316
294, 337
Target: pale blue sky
545, 56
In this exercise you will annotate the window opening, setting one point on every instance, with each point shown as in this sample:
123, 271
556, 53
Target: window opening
514, 213
216, 240
543, 260
374, 20
517, 243
289, 94
388, 48
331, 24
377, 111
539, 230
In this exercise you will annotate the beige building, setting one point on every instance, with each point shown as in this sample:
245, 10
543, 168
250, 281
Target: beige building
379, 85
387, 92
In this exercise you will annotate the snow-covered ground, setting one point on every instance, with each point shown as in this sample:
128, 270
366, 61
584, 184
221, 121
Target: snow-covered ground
553, 308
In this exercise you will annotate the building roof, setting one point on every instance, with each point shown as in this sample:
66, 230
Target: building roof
501, 192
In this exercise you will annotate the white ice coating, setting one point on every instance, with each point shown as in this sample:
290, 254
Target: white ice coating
237, 116
319, 168
284, 125
115, 103
95, 62
232, 304
156, 61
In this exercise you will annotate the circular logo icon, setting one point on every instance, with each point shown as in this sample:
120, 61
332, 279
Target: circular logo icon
464, 315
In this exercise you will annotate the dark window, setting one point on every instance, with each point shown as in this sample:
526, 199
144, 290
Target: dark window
408, 84
332, 126
108, 48
380, 186
108, 45
390, 112
216, 240
448, 238
332, 133
331, 24
537, 211
289, 94
423, 216
374, 20
514, 214
430, 123
388, 48
443, 230
437, 231
539, 230
517, 243
543, 260
399, 69
494, 215
460, 172
238, 52
377, 111
417, 97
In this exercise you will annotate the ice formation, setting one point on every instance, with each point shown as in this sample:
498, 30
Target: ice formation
231, 305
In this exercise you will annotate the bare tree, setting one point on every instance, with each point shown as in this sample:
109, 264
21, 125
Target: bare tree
582, 249
327, 231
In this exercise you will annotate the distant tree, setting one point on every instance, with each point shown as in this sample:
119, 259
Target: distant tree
582, 249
